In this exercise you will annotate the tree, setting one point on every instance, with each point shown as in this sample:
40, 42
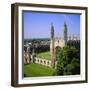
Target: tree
67, 61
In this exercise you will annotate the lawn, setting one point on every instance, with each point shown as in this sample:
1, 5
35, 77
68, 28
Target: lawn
44, 55
33, 70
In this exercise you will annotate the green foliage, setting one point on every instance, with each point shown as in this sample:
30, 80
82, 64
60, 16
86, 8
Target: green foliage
67, 61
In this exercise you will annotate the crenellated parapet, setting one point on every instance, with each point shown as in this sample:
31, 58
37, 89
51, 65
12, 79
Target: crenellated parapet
73, 37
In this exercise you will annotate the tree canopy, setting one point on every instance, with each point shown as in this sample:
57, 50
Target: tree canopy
67, 61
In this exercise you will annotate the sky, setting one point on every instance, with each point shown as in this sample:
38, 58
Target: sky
38, 24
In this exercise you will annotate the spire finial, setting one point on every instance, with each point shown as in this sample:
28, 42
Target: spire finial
51, 24
65, 23
52, 30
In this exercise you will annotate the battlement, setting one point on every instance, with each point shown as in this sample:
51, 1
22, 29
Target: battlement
73, 37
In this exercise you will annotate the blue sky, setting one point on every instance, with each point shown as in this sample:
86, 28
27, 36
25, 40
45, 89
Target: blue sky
38, 24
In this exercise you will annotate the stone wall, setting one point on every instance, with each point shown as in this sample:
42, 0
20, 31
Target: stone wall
44, 62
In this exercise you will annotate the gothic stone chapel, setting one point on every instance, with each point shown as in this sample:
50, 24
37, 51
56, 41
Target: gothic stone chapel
55, 43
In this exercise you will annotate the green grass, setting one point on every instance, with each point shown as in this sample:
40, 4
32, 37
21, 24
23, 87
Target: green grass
33, 70
44, 55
